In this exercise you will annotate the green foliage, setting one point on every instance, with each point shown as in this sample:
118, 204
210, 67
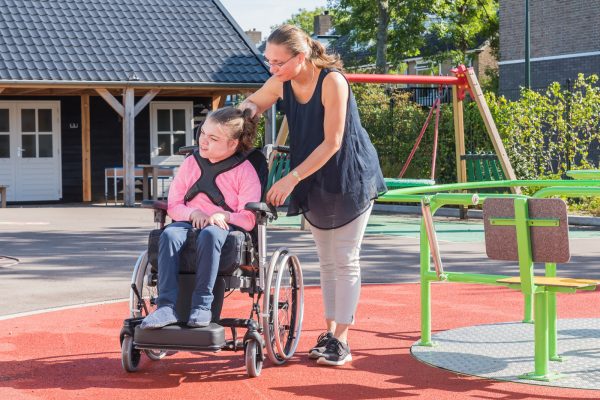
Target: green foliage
462, 25
303, 19
358, 20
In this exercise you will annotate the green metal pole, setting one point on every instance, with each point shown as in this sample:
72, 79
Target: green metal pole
552, 331
425, 289
527, 308
527, 47
541, 335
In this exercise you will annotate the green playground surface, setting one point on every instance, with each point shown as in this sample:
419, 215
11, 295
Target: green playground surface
447, 228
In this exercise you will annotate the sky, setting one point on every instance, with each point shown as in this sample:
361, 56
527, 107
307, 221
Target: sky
262, 14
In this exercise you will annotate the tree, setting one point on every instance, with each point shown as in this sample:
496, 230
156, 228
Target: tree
364, 24
461, 25
303, 19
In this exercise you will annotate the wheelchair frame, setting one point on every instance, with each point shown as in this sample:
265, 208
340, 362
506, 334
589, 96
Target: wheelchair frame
275, 321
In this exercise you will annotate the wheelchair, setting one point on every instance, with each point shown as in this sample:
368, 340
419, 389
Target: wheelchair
275, 285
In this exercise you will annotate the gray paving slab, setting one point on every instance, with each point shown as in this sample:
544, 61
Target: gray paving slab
505, 351
73, 254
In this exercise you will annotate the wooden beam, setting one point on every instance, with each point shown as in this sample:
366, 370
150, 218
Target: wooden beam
459, 136
85, 148
129, 147
143, 102
110, 99
490, 126
2, 89
218, 101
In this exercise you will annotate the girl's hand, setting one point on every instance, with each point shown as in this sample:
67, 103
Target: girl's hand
198, 219
220, 219
250, 106
281, 190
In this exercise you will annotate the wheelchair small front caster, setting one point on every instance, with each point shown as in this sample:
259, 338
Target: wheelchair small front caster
130, 356
254, 361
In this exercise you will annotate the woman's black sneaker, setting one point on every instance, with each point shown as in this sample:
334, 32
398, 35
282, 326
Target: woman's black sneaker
318, 350
336, 353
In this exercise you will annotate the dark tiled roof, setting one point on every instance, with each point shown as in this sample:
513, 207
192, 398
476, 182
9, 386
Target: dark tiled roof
111, 40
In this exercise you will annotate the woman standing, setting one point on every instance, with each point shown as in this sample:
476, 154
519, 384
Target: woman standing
335, 174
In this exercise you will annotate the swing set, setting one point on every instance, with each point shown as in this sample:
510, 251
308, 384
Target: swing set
464, 81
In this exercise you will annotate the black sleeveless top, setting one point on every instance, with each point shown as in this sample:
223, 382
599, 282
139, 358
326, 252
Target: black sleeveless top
345, 186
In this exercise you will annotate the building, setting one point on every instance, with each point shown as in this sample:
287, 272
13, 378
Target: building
90, 85
565, 41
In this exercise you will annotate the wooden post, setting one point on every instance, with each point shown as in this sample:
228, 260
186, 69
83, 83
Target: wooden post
490, 126
218, 101
129, 147
459, 136
85, 148
459, 143
280, 139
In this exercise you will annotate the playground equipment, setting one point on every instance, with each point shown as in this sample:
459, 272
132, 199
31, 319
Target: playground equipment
464, 81
518, 228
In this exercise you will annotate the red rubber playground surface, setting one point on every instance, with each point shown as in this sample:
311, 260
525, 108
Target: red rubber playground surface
75, 354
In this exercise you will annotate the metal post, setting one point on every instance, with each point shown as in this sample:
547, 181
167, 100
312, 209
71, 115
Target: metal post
425, 289
527, 47
552, 330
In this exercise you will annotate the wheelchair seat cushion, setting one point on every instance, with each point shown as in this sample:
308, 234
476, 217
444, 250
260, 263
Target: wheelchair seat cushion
233, 253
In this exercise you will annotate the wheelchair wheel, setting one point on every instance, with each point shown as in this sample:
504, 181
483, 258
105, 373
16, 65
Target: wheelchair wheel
130, 356
253, 360
147, 287
283, 306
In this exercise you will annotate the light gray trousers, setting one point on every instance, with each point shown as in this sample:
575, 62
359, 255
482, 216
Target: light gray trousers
339, 258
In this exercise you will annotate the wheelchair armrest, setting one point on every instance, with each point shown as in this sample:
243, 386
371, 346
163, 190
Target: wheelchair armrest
262, 209
156, 204
160, 210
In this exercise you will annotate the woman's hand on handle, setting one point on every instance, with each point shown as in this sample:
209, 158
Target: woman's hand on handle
281, 190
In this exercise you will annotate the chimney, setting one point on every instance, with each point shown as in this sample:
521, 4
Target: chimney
254, 36
322, 24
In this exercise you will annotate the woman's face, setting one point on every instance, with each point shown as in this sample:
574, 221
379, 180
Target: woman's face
282, 63
215, 142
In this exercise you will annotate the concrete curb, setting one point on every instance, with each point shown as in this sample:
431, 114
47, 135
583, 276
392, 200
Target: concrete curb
475, 214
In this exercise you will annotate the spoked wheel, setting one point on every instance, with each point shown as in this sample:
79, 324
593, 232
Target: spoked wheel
130, 356
283, 306
253, 359
147, 287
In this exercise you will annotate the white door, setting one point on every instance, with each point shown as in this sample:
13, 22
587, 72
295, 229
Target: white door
171, 127
30, 150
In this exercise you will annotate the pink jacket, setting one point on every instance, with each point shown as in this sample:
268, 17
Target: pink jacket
239, 186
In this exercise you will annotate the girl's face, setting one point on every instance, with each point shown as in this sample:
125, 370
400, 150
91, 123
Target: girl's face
215, 142
282, 63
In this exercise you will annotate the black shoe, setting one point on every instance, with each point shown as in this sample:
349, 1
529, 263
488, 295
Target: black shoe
318, 350
336, 353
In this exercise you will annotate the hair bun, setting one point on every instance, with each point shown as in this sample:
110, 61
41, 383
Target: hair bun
247, 114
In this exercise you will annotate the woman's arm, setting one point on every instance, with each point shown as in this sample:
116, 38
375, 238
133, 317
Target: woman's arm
264, 97
335, 100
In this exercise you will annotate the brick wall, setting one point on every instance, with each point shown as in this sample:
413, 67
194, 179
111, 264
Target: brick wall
556, 27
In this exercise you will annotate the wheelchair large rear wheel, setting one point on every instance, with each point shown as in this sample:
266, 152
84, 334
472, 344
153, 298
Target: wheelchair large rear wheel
283, 306
147, 287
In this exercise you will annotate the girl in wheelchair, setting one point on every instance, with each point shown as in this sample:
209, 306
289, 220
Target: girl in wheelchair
226, 134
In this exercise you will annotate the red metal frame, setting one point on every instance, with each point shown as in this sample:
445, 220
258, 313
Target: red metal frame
459, 80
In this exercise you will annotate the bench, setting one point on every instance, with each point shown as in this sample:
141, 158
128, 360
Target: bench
516, 228
3, 195
483, 167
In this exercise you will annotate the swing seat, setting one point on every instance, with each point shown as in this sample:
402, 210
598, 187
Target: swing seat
400, 183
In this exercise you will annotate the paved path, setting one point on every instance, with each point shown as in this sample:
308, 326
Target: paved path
76, 254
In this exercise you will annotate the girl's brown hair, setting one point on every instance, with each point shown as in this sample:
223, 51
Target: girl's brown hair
239, 123
297, 41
